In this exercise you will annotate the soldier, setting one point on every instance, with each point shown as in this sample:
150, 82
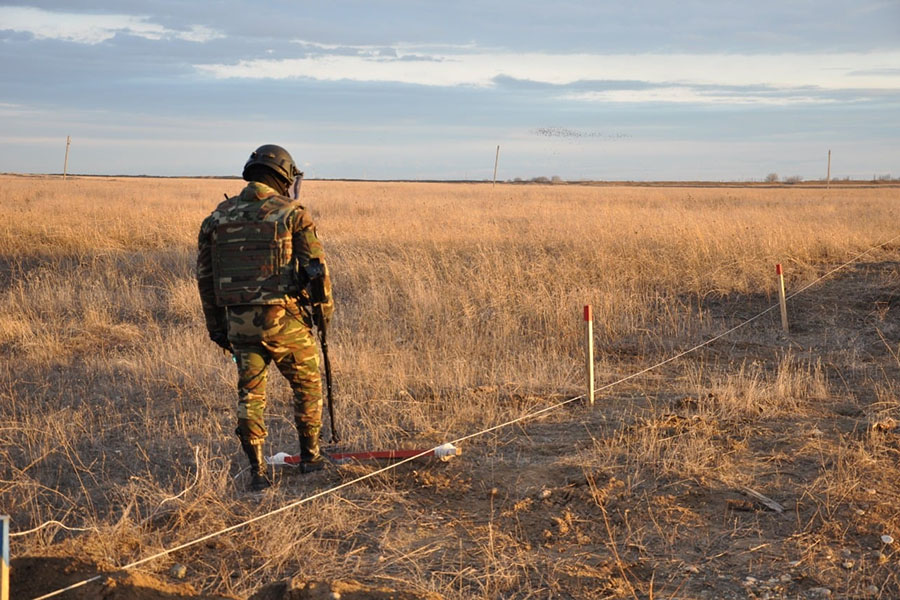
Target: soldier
255, 252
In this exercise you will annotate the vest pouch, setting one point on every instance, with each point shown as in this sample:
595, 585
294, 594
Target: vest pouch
248, 258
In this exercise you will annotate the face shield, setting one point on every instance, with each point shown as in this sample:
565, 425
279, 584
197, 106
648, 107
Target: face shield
294, 188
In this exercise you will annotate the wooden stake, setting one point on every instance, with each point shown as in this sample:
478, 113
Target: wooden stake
496, 161
828, 177
589, 350
781, 299
4, 559
66, 162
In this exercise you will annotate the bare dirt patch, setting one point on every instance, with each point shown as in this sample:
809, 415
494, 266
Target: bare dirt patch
32, 576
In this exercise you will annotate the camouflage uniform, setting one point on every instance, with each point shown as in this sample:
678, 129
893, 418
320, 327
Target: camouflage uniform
249, 249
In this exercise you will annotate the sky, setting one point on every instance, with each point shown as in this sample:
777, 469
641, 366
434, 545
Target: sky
716, 90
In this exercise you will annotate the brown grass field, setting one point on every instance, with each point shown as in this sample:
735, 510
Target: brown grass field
458, 308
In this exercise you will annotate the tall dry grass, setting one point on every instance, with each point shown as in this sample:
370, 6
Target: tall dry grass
458, 307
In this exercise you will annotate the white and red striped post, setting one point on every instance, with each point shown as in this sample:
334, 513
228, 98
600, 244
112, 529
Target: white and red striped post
781, 298
589, 350
4, 559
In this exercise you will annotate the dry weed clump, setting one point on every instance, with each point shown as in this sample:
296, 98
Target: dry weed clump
752, 389
459, 308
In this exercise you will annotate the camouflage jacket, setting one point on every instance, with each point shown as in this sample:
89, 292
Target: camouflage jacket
247, 250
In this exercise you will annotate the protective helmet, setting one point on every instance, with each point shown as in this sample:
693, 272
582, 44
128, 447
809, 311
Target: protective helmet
275, 158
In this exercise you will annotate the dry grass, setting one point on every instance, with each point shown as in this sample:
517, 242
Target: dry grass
459, 308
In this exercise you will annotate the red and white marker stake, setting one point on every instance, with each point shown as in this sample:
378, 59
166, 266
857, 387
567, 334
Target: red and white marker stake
589, 350
444, 452
4, 557
781, 299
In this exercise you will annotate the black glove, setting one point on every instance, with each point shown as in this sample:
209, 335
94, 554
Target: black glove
315, 277
221, 339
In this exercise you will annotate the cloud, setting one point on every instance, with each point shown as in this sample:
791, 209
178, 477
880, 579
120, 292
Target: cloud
93, 28
399, 48
886, 71
8, 109
792, 78
687, 95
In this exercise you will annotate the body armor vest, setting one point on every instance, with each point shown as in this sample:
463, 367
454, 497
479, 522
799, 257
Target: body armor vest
252, 251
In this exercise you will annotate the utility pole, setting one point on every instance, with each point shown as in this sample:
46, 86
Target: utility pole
496, 161
828, 177
66, 162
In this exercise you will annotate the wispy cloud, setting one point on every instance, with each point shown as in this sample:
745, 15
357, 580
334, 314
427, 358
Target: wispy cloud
94, 28
679, 78
687, 95
396, 49
8, 109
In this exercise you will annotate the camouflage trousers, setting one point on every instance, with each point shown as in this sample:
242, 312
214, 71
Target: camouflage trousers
259, 335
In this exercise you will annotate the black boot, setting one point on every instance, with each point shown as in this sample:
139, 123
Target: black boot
259, 479
311, 458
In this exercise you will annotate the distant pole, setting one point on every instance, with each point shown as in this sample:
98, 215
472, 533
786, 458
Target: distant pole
589, 350
4, 560
66, 162
828, 177
781, 298
496, 162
